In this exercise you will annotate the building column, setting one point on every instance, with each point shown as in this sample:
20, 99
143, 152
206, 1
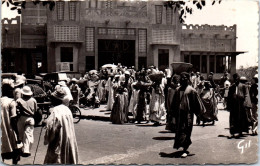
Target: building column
200, 62
208, 70
233, 65
215, 64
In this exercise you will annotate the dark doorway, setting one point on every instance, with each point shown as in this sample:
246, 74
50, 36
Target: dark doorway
116, 51
163, 55
90, 63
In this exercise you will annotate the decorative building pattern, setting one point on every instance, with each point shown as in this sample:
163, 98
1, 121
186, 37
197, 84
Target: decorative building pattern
169, 14
158, 13
72, 10
90, 40
162, 36
116, 31
66, 33
142, 38
110, 8
29, 43
60, 10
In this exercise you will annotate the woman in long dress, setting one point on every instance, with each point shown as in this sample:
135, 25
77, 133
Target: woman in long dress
120, 107
133, 101
110, 90
209, 100
157, 104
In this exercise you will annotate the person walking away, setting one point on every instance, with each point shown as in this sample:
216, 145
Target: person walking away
27, 106
254, 100
18, 85
60, 133
75, 90
237, 102
10, 146
186, 103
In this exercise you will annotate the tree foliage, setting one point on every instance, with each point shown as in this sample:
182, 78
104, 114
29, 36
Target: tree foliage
184, 9
18, 5
180, 6
248, 72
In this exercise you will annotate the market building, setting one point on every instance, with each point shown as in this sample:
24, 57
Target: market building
79, 36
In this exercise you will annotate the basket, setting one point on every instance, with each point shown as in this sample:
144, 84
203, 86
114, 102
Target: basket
179, 67
156, 77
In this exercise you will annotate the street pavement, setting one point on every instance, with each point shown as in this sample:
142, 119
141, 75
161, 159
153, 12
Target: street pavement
101, 142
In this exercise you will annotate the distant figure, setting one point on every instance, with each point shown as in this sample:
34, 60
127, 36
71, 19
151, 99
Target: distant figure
75, 90
238, 102
60, 134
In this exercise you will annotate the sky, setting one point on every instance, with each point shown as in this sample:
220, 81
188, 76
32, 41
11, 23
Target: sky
243, 13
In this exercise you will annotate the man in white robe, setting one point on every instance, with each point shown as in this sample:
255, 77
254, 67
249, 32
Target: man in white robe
60, 133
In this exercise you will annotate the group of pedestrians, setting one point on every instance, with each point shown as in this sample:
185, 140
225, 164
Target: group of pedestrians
18, 108
149, 95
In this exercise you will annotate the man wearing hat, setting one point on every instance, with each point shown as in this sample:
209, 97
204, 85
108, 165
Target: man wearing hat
68, 96
18, 85
60, 134
27, 106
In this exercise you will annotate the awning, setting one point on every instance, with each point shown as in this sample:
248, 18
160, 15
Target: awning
57, 41
214, 52
165, 44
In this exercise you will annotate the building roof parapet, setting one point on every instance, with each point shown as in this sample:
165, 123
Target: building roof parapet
206, 27
6, 21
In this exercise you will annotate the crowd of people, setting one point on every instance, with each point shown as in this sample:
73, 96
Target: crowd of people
19, 108
143, 96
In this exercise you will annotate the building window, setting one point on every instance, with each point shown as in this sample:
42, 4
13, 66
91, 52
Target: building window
221, 61
204, 64
142, 62
158, 13
187, 58
169, 13
66, 54
60, 10
163, 59
90, 44
108, 4
90, 63
142, 39
212, 63
195, 61
72, 10
66, 33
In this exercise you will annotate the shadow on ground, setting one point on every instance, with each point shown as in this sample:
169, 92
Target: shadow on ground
164, 132
176, 154
163, 138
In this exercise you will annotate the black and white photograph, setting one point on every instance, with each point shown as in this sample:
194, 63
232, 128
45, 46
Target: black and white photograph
129, 82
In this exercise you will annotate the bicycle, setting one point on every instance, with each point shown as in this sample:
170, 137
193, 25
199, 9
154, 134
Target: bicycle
76, 113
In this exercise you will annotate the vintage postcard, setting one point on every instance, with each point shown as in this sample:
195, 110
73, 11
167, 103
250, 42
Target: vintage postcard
123, 82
